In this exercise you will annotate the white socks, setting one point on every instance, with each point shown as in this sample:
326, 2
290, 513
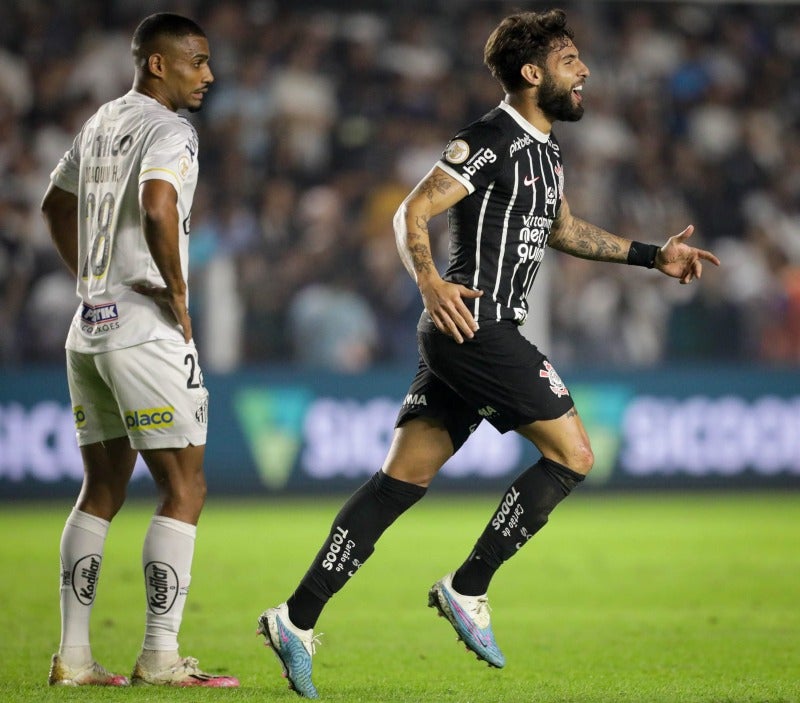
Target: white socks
167, 561
81, 556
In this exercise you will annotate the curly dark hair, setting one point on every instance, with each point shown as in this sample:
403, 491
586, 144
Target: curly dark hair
526, 37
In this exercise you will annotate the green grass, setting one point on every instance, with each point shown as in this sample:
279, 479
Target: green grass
653, 598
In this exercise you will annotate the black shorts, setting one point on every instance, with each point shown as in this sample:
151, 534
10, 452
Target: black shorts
498, 375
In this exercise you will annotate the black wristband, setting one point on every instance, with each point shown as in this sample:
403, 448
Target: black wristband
643, 254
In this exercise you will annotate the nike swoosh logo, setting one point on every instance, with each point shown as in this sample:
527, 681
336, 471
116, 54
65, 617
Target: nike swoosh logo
530, 181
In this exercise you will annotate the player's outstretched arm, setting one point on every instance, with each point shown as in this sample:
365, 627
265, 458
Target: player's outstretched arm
676, 258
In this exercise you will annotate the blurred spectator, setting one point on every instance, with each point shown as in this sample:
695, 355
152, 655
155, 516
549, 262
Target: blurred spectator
321, 118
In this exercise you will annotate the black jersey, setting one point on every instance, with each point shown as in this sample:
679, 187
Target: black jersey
499, 232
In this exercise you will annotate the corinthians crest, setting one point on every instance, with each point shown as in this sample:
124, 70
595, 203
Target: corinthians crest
556, 384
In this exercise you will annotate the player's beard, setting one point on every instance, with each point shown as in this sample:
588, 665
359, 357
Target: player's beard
557, 103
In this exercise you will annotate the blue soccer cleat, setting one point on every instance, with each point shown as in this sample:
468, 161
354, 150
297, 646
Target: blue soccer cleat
293, 647
469, 616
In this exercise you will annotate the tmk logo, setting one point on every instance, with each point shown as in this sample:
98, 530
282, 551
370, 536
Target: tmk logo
415, 399
161, 583
85, 574
150, 418
95, 314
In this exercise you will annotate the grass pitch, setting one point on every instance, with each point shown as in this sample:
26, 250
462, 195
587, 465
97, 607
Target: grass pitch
653, 598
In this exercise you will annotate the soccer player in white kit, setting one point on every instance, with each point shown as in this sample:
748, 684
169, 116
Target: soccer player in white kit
118, 210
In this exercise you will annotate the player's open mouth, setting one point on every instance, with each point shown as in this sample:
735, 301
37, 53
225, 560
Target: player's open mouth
577, 91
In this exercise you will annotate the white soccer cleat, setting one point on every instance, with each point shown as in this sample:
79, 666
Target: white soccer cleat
92, 674
184, 673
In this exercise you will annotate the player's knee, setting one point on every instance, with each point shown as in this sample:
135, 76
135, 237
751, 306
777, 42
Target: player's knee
579, 458
582, 459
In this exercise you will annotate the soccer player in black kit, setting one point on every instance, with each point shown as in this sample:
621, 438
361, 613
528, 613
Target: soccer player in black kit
502, 182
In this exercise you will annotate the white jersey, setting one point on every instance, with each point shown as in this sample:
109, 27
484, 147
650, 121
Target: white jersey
127, 141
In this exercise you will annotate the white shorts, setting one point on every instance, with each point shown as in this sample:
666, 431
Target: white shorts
153, 393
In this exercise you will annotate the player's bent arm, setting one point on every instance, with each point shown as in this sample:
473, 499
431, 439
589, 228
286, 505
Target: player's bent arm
434, 194
60, 210
443, 301
158, 205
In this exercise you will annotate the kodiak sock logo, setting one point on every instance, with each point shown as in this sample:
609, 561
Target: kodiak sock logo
85, 575
161, 583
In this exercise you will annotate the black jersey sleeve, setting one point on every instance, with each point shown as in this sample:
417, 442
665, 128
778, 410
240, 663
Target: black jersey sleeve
474, 155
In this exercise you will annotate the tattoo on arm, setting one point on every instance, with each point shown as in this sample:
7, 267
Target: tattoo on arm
420, 252
587, 241
435, 183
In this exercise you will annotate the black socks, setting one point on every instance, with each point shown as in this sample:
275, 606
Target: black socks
355, 530
522, 512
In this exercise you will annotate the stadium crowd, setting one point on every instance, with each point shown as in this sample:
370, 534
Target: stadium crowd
325, 114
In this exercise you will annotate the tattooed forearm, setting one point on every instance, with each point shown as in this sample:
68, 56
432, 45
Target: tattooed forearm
437, 182
421, 258
418, 245
587, 241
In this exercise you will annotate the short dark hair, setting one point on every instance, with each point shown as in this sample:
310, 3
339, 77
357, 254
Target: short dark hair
156, 27
526, 37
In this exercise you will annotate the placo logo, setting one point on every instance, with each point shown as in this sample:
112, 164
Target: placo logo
272, 420
150, 419
602, 408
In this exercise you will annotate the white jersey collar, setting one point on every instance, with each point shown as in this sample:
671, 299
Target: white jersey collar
522, 122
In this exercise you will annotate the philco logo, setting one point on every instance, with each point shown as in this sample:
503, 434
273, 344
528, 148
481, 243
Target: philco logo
150, 419
85, 574
80, 416
97, 314
161, 582
457, 151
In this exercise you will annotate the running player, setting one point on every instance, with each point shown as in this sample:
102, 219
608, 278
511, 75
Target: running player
118, 210
502, 181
